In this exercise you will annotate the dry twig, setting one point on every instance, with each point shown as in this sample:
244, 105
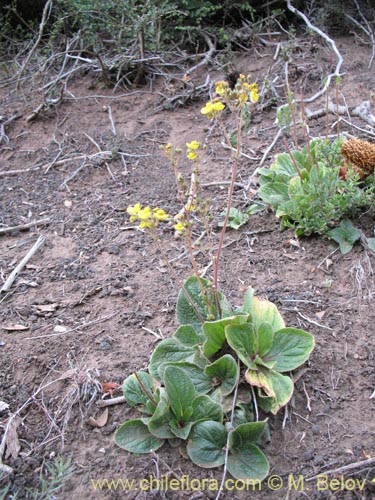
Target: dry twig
329, 40
13, 275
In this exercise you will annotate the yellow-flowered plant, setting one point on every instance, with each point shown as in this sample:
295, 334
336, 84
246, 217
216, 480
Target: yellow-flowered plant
147, 217
222, 346
243, 92
192, 148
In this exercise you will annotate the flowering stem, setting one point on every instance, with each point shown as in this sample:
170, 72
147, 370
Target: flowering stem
229, 204
178, 281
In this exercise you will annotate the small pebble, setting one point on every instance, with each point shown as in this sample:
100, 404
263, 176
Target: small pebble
315, 429
105, 345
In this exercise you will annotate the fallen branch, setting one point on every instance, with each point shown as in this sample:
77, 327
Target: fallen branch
329, 40
21, 227
364, 464
102, 403
207, 57
45, 15
363, 111
13, 275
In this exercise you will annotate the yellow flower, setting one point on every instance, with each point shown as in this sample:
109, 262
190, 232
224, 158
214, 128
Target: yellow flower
144, 214
134, 209
220, 87
254, 96
242, 98
218, 106
168, 147
192, 156
193, 145
159, 214
146, 224
179, 227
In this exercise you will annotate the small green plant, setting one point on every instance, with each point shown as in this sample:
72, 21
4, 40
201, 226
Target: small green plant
205, 385
200, 376
51, 482
306, 191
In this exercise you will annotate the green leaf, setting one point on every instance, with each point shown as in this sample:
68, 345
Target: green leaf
345, 235
133, 392
291, 347
205, 408
261, 311
159, 423
371, 244
188, 336
180, 390
275, 194
280, 387
206, 446
245, 434
187, 314
248, 464
243, 340
197, 375
135, 437
181, 431
236, 218
224, 371
169, 351
265, 338
214, 332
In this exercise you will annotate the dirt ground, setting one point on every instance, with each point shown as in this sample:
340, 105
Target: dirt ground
88, 306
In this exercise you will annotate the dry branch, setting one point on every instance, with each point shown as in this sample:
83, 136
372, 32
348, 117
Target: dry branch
21, 227
329, 40
13, 275
45, 15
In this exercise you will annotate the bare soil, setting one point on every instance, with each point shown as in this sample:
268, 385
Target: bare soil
83, 310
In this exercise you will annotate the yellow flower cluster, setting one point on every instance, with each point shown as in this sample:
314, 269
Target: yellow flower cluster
148, 217
213, 108
192, 148
244, 91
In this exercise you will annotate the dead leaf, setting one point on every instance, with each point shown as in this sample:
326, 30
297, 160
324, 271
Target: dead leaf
366, 455
12, 443
320, 315
294, 243
109, 387
60, 329
3, 406
100, 421
15, 328
46, 307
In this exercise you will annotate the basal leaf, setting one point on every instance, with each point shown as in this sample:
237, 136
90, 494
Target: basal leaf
188, 336
290, 348
181, 431
248, 464
245, 434
243, 340
135, 437
135, 394
265, 338
201, 380
206, 444
275, 385
224, 372
180, 390
203, 302
169, 351
261, 311
214, 332
205, 408
159, 423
